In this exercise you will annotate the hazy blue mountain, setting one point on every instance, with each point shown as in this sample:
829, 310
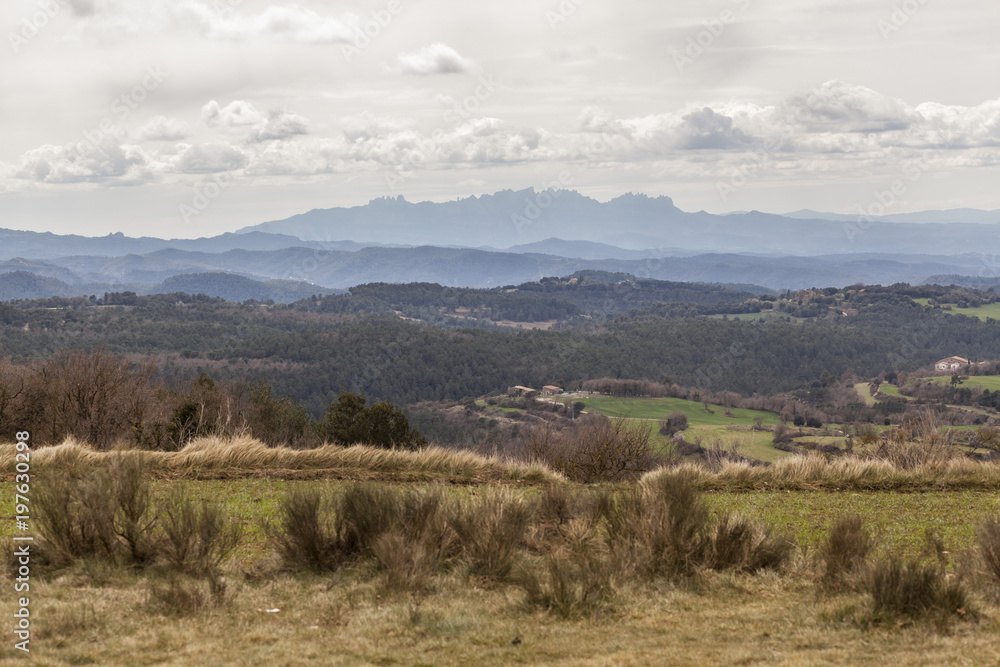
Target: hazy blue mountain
576, 249
45, 245
26, 285
40, 269
633, 222
233, 287
466, 267
970, 215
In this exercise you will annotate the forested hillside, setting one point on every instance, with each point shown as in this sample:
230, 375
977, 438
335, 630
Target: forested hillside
312, 356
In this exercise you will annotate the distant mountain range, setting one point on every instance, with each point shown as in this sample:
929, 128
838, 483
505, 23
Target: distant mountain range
513, 219
462, 243
27, 285
971, 215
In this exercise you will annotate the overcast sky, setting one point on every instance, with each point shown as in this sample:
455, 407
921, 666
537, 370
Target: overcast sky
186, 118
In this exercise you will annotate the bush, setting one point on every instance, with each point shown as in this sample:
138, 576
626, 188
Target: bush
745, 546
75, 517
663, 525
677, 422
106, 514
491, 530
579, 576
845, 550
197, 538
914, 591
134, 518
989, 545
365, 511
596, 449
306, 538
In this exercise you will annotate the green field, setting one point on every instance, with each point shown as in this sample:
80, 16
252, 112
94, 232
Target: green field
702, 425
892, 390
865, 392
99, 612
991, 382
989, 311
899, 520
660, 408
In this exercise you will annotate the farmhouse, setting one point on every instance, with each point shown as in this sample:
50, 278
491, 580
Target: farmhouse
551, 390
951, 364
520, 390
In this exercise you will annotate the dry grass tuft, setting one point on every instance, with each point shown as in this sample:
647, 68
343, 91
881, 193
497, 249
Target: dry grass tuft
989, 546
815, 472
578, 577
845, 551
214, 456
915, 591
491, 530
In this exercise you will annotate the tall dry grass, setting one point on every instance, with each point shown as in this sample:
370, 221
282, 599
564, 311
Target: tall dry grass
855, 473
215, 456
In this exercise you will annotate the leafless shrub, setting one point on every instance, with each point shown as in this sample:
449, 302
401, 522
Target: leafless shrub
845, 550
989, 545
198, 537
107, 513
741, 544
491, 530
915, 591
596, 449
305, 537
577, 577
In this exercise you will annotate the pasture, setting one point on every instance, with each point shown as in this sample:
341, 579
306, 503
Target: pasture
99, 612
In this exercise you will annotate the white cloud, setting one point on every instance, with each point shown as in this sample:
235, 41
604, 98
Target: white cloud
240, 116
161, 128
210, 159
282, 23
279, 125
109, 162
841, 107
237, 113
115, 20
435, 58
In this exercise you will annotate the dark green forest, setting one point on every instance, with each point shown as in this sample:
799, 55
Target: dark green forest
314, 349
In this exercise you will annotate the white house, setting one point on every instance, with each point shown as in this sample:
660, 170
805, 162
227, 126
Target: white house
951, 364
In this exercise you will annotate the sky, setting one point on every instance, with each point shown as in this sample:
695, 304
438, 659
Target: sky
188, 118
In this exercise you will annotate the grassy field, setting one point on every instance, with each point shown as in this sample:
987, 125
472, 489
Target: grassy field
93, 613
865, 392
991, 382
96, 612
660, 408
892, 390
702, 425
899, 519
989, 311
